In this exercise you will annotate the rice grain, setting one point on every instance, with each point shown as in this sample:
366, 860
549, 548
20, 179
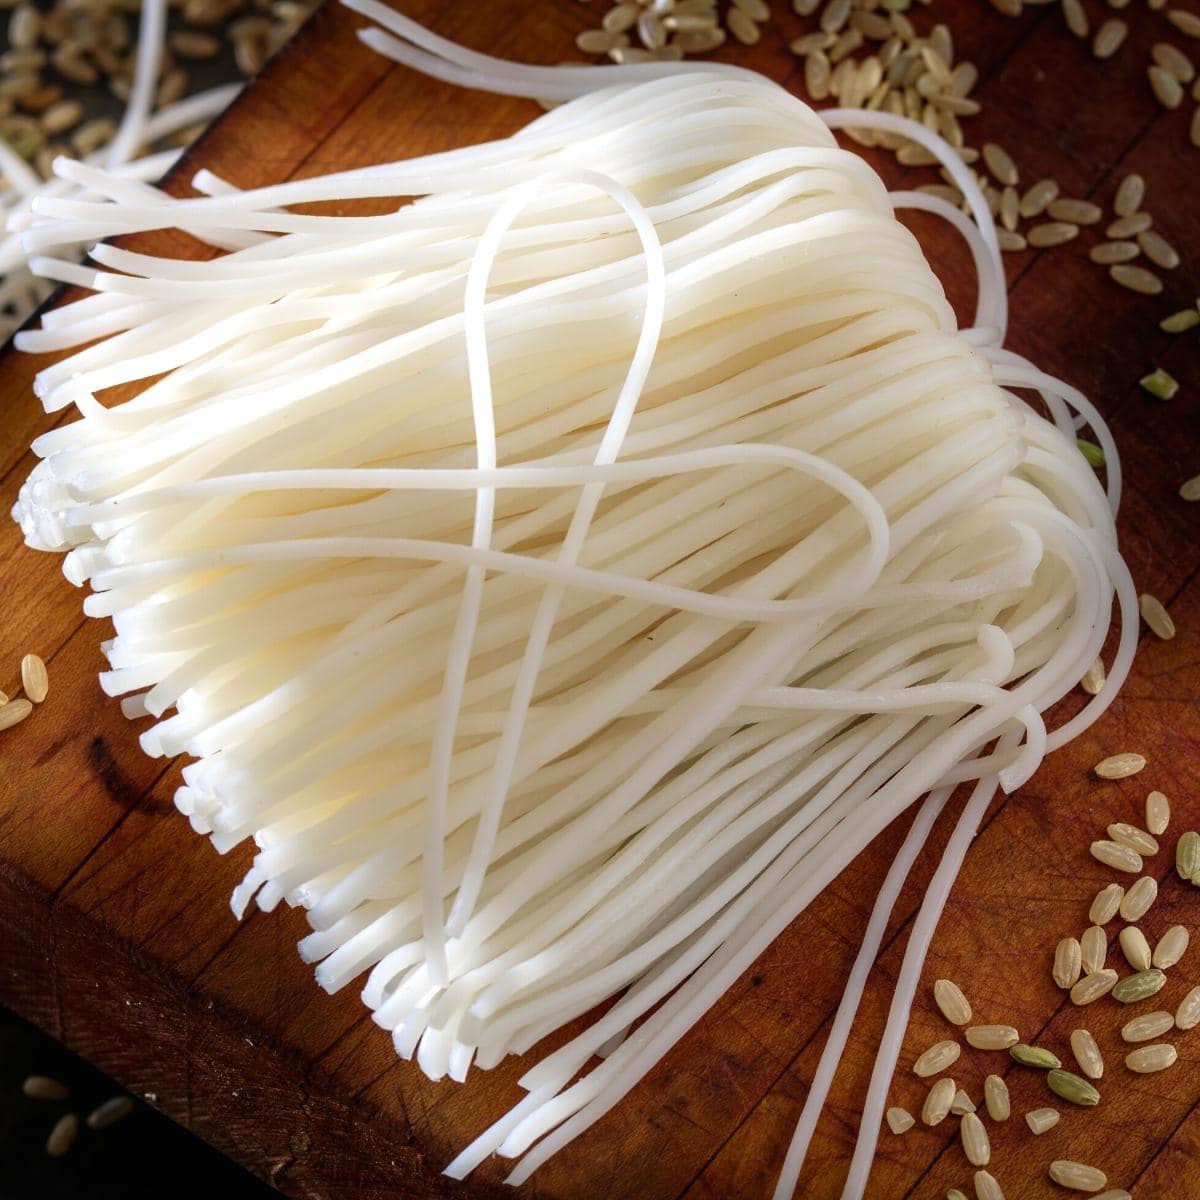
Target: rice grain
1119, 766
742, 27
1147, 1059
899, 1120
1189, 490
1087, 1053
975, 1143
1052, 233
1040, 1120
992, 1037
1158, 813
14, 712
1133, 989
1076, 1175
1187, 851
1135, 948
1168, 91
62, 1136
1037, 199
1171, 947
938, 1101
1172, 59
1107, 904
950, 999
1147, 1026
1073, 1088
986, 1187
34, 678
1093, 948
961, 1104
1078, 212
1137, 279
1092, 987
1187, 1015
1185, 22
1158, 250
1000, 163
110, 1112
1009, 242
43, 1087
1130, 194
1129, 225
1075, 17
1133, 837
1120, 858
996, 1098
1109, 37
937, 1058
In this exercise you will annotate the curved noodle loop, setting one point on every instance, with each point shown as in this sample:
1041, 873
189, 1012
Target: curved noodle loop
561, 577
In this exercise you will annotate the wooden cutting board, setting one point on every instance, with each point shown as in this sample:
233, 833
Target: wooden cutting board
115, 932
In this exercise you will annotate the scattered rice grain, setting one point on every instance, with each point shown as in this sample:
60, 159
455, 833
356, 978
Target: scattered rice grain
1000, 163
43, 1087
1137, 279
1010, 243
1040, 1120
1133, 989
1189, 490
1158, 813
1073, 1088
1130, 194
937, 1058
14, 712
938, 1101
1185, 22
1187, 1015
1119, 766
110, 1112
1075, 17
62, 1136
1093, 949
1158, 250
1068, 962
34, 679
1146, 1059
975, 1142
962, 1104
1092, 987
992, 1037
986, 1187
1052, 233
1077, 1175
1173, 60
1119, 857
1136, 839
1107, 904
1109, 37
950, 999
1035, 1057
1135, 948
1078, 212
1171, 947
1087, 1053
1187, 854
1157, 619
1147, 1026
1181, 321
899, 1120
1168, 91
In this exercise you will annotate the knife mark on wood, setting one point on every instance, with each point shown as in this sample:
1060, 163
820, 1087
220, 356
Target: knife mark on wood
117, 785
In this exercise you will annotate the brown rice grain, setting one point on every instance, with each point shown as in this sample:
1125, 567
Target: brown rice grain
1000, 163
62, 1136
1120, 766
975, 1142
1171, 947
1079, 1176
1158, 250
1130, 194
43, 1087
996, 1098
1147, 1026
14, 712
1158, 813
34, 678
986, 1187
1093, 949
1109, 37
1136, 279
1147, 1059
1087, 1053
1107, 253
1173, 60
1040, 1120
1135, 948
1185, 22
1136, 839
1052, 233
1078, 212
936, 1059
953, 1004
1075, 17
1091, 987
1107, 904
1068, 962
938, 1101
110, 1112
1168, 91
992, 1037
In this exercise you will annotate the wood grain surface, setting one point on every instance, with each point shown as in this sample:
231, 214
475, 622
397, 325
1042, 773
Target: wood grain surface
115, 931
